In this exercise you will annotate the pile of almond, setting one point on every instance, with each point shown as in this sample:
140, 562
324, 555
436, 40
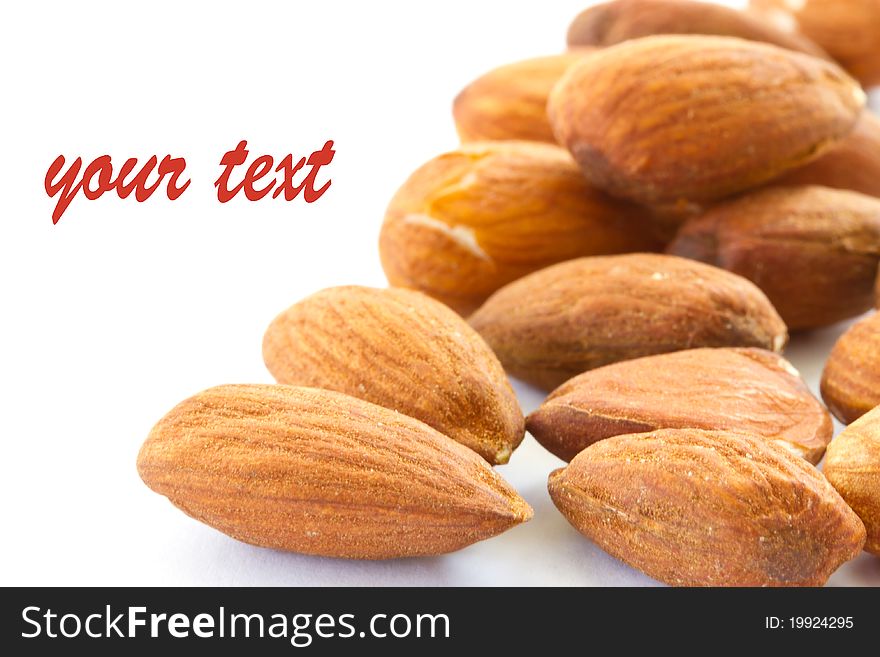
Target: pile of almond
635, 225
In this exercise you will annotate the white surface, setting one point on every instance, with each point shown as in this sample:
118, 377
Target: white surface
123, 309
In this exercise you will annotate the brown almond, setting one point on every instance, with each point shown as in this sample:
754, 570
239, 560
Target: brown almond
706, 508
851, 378
510, 102
853, 163
402, 350
672, 119
319, 472
853, 468
474, 219
586, 313
610, 23
744, 390
814, 251
849, 30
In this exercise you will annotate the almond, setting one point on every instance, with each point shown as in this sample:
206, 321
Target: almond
708, 508
402, 350
474, 219
851, 378
853, 468
673, 119
814, 251
510, 102
849, 30
744, 390
610, 23
323, 473
585, 313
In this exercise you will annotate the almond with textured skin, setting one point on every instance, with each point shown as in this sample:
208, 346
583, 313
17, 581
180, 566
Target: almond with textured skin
610, 23
319, 472
853, 164
585, 313
849, 30
474, 219
402, 350
745, 390
853, 468
707, 508
851, 379
671, 119
510, 102
814, 251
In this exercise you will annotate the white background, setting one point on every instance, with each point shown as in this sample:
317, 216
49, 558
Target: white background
123, 309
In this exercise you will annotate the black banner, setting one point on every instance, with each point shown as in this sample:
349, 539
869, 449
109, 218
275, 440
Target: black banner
397, 621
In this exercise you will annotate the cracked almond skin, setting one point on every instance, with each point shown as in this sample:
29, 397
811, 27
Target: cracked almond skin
814, 251
510, 102
579, 315
610, 23
744, 390
851, 379
849, 30
319, 472
853, 468
669, 120
476, 218
399, 349
853, 164
690, 507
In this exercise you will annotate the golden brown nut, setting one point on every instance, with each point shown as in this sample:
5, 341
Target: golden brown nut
851, 379
708, 508
510, 102
319, 472
853, 468
402, 350
814, 251
675, 119
746, 390
578, 315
